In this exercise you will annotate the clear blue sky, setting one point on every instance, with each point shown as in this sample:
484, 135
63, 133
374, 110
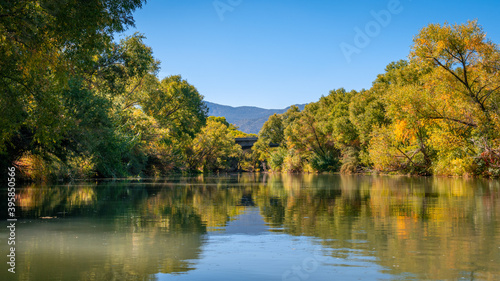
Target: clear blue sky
273, 54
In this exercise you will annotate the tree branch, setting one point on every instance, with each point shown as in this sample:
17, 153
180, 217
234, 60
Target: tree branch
452, 119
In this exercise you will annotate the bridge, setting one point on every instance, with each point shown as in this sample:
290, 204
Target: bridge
247, 143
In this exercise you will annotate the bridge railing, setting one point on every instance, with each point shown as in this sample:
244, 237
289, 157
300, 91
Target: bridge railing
247, 143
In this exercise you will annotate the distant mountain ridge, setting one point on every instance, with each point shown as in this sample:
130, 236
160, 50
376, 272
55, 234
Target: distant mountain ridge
249, 119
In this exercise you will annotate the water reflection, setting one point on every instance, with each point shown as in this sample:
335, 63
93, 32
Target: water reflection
392, 227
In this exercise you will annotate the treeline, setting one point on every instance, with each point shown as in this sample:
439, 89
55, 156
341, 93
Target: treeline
76, 103
435, 113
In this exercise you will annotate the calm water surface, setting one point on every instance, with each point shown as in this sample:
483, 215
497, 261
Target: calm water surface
258, 227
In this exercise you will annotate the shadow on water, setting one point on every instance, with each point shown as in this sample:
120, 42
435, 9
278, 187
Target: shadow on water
424, 228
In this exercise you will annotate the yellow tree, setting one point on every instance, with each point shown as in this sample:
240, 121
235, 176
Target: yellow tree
398, 143
459, 96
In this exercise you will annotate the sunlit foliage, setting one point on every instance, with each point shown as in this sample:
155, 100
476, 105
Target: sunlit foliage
78, 103
437, 113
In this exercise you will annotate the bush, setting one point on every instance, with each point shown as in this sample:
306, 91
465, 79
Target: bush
349, 161
327, 162
277, 159
293, 162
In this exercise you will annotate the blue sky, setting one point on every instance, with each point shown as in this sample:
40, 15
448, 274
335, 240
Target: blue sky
273, 54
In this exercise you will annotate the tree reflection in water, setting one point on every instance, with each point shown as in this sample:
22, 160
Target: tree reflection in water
434, 228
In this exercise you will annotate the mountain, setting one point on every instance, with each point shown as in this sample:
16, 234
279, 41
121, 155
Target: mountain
249, 119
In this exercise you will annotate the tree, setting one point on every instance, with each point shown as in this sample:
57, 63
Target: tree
459, 97
398, 142
367, 112
273, 131
178, 106
233, 130
43, 46
309, 139
466, 61
213, 149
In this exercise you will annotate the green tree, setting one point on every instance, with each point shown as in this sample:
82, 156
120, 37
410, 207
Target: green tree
41, 42
273, 130
213, 149
309, 140
43, 46
233, 130
178, 106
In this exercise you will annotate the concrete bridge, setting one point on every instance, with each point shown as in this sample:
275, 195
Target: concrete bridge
247, 143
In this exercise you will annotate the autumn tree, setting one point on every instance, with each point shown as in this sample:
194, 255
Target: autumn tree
213, 149
459, 97
399, 142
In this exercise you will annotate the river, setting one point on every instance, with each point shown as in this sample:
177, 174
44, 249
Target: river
257, 227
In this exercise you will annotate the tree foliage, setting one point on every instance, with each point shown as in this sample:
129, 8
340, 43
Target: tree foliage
436, 113
214, 148
81, 104
76, 103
